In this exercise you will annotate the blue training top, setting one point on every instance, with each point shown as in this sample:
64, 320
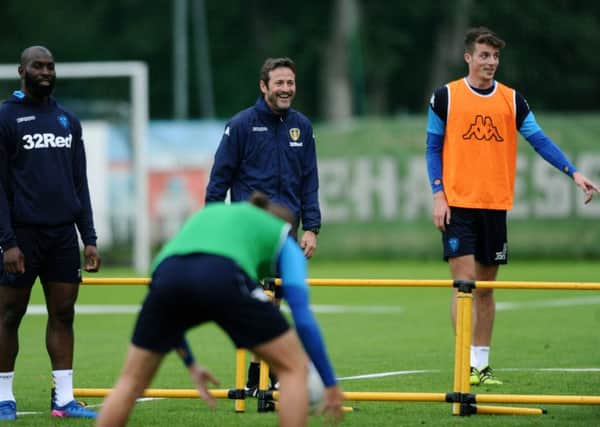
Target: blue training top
272, 153
43, 180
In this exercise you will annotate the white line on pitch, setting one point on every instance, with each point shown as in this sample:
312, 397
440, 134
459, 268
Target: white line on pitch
388, 374
427, 371
550, 369
34, 309
364, 309
562, 302
39, 309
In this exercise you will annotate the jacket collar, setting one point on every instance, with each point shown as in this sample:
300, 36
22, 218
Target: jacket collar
264, 110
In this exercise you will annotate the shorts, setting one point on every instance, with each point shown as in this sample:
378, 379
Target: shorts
478, 232
51, 253
186, 291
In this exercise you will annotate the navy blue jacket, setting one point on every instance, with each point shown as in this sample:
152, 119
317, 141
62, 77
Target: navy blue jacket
43, 180
274, 154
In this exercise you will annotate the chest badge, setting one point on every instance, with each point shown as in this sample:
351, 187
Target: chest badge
63, 120
295, 134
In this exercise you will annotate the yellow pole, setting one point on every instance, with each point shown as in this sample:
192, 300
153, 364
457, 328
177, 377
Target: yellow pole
263, 379
507, 410
458, 350
382, 283
240, 377
538, 399
115, 281
155, 392
582, 286
372, 396
375, 396
467, 324
223, 394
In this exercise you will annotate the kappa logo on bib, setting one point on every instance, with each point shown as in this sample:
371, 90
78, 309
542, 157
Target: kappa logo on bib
483, 128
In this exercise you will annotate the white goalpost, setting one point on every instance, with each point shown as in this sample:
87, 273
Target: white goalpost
137, 72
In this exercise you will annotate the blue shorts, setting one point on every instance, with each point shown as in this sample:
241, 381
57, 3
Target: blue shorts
51, 253
189, 290
478, 232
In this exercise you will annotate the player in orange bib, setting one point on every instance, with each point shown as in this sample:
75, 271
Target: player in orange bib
471, 160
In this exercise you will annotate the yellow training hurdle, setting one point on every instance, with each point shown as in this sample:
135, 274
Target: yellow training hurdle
463, 402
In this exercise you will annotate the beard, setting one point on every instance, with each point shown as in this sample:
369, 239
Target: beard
36, 89
273, 102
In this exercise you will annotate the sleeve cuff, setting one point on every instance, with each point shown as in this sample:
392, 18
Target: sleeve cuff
4, 246
90, 242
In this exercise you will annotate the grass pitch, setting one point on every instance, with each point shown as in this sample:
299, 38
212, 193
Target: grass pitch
539, 337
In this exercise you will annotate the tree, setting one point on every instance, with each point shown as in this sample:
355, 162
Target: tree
447, 53
337, 85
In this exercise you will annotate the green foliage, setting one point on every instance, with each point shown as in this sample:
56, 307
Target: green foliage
548, 56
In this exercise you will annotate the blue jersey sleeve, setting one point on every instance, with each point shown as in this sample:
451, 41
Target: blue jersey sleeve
433, 152
544, 146
185, 352
292, 267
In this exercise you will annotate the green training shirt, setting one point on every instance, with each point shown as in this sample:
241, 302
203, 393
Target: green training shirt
248, 235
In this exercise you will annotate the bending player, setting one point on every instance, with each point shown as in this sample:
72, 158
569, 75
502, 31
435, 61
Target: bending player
208, 272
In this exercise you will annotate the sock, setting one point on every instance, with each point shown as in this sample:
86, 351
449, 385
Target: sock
63, 386
482, 356
6, 386
253, 374
273, 378
473, 357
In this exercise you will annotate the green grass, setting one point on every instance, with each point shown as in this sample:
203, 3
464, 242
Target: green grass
418, 337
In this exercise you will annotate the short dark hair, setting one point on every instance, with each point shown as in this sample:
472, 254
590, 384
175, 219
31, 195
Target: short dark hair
271, 63
482, 35
29, 52
260, 200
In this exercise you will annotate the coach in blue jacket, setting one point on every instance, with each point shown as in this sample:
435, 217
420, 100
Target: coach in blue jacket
270, 147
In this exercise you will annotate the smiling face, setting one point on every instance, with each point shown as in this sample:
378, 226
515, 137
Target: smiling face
280, 89
37, 72
483, 62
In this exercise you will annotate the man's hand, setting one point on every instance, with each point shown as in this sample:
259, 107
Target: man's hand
586, 185
201, 377
331, 408
92, 259
14, 261
308, 243
441, 211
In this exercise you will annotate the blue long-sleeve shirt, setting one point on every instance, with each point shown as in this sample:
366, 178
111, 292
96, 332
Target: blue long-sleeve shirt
43, 179
274, 154
292, 267
525, 123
